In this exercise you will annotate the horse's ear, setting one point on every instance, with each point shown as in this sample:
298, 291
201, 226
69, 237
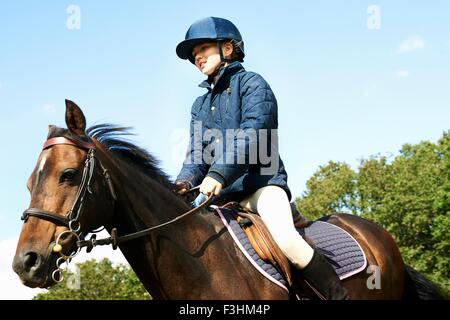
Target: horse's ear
75, 120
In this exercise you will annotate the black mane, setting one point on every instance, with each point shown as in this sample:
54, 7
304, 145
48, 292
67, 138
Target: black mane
112, 138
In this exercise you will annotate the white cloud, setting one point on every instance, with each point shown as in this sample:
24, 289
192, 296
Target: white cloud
47, 108
402, 74
410, 44
12, 288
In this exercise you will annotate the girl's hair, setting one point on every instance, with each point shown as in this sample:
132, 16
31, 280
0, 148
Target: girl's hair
237, 54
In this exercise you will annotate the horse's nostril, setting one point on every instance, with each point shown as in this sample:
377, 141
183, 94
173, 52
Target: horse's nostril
30, 260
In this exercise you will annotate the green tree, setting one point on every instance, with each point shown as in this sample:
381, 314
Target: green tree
409, 196
414, 207
94, 280
371, 179
329, 190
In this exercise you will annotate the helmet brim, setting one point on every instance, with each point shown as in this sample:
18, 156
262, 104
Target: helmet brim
184, 48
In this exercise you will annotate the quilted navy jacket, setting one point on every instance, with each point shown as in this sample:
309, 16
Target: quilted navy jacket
239, 100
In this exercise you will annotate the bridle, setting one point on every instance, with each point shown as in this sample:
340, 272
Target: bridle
71, 219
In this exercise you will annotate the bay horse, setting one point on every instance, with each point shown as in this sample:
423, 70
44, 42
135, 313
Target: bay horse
85, 179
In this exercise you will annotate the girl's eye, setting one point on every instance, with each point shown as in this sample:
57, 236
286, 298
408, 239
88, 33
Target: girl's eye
68, 175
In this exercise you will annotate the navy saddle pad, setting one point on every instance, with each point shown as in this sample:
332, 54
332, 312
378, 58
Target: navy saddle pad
337, 245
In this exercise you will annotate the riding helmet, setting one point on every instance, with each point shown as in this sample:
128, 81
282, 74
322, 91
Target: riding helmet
210, 29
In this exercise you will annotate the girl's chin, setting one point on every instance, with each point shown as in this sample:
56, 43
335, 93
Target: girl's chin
207, 72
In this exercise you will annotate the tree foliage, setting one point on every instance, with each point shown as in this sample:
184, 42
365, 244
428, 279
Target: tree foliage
94, 280
409, 196
329, 190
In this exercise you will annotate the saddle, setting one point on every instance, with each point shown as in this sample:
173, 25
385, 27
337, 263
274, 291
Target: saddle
255, 242
261, 239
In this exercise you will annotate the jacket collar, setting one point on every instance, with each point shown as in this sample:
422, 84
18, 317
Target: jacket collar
224, 72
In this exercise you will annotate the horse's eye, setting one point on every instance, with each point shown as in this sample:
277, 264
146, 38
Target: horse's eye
67, 175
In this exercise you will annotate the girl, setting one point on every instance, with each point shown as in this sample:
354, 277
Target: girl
243, 101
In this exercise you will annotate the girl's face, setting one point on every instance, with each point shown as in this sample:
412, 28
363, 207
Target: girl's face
207, 57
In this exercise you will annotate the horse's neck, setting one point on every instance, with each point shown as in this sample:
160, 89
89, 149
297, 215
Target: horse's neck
143, 204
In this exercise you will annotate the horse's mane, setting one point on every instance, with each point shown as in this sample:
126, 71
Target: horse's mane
112, 138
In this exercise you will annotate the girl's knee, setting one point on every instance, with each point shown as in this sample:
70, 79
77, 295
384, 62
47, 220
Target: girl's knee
290, 240
273, 194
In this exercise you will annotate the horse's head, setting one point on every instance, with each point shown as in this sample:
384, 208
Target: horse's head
71, 194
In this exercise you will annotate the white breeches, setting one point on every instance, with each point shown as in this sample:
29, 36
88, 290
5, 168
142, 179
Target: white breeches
272, 204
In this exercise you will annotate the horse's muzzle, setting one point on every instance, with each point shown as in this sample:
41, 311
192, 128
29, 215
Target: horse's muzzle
33, 269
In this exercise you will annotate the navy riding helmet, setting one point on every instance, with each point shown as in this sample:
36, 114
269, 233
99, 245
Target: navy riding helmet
210, 29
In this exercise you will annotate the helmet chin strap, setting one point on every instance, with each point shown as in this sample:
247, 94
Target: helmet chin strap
223, 60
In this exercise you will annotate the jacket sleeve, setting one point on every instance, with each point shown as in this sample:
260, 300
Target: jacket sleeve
259, 111
194, 168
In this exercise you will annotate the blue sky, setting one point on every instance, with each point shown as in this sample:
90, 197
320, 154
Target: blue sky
345, 91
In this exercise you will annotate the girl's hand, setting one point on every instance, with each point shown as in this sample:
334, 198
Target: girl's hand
181, 187
210, 186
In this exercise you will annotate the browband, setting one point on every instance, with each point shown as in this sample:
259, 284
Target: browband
63, 140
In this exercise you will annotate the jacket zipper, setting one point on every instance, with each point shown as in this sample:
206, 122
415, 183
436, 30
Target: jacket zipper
227, 102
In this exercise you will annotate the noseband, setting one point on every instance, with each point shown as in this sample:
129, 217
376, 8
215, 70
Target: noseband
71, 219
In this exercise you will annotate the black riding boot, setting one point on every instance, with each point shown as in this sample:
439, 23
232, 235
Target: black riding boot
320, 274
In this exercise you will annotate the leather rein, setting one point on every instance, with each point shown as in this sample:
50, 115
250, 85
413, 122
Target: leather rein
72, 218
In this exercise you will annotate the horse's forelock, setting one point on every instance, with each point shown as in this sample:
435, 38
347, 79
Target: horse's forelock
54, 131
